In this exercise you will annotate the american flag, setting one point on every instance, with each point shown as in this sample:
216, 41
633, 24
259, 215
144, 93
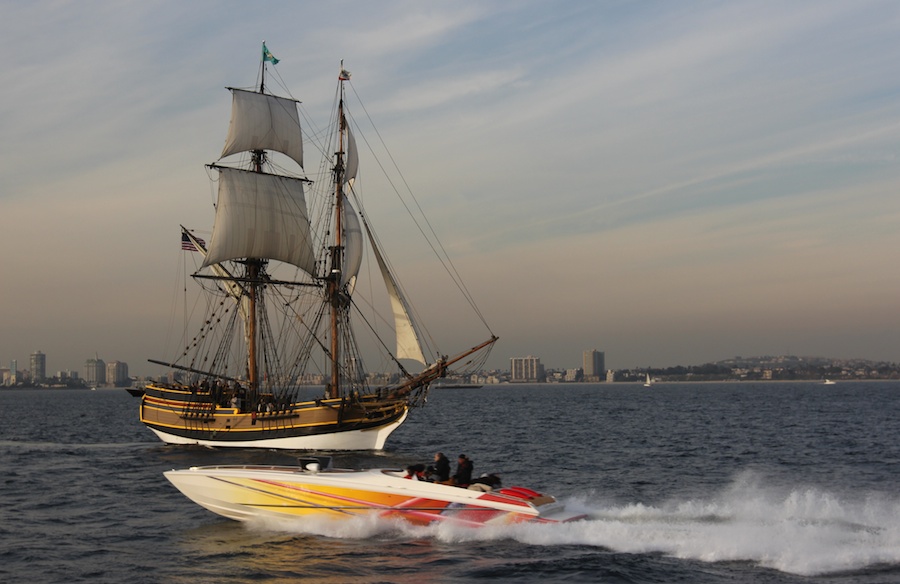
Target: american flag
188, 245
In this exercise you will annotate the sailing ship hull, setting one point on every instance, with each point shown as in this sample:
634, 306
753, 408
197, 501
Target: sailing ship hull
245, 493
182, 416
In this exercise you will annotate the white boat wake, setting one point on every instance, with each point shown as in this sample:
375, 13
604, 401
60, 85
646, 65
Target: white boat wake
804, 530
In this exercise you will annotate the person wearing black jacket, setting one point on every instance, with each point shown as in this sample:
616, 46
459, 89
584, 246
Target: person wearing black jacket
464, 468
441, 467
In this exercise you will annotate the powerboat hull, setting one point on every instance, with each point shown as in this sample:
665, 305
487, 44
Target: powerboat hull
244, 493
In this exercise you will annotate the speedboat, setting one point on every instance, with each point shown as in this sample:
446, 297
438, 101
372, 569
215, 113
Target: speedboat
246, 492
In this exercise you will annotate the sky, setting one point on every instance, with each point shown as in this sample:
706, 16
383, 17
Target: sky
672, 183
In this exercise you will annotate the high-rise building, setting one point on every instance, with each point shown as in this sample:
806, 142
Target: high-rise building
594, 365
526, 369
38, 367
94, 372
13, 372
117, 373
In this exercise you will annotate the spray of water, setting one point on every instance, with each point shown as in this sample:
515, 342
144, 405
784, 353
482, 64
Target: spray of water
802, 530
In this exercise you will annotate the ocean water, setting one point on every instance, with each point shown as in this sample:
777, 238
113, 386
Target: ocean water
741, 482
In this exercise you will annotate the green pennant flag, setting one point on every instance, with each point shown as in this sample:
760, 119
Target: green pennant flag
268, 56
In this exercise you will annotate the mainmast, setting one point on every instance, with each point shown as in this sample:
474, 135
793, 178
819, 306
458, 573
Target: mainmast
334, 278
255, 266
261, 215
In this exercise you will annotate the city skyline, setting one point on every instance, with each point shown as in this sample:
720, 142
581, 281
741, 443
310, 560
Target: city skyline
672, 183
93, 369
592, 366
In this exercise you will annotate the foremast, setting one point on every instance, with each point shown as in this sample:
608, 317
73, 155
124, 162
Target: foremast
348, 228
334, 297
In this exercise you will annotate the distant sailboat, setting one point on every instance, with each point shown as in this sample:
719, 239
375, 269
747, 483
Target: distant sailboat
649, 382
283, 305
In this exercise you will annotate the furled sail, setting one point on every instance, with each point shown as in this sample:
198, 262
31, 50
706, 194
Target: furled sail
353, 245
263, 122
261, 216
408, 346
352, 158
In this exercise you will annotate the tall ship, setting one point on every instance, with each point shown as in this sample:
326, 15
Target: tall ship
284, 300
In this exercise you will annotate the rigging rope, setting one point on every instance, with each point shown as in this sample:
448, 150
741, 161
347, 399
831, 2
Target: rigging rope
442, 256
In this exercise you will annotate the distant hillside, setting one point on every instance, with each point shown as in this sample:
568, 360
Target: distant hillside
794, 362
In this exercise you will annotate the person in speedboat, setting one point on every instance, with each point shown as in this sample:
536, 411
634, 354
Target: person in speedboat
464, 467
441, 468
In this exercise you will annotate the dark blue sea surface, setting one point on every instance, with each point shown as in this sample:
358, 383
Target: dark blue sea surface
740, 482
